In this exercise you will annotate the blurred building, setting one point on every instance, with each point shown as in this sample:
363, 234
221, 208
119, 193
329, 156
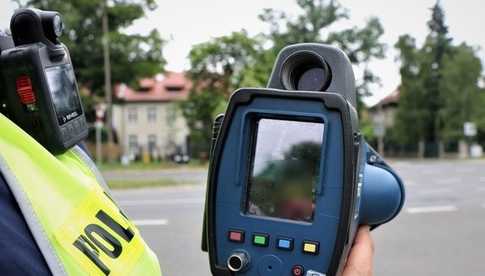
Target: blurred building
148, 120
384, 112
382, 116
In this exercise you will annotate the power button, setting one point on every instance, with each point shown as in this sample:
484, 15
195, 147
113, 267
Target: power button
297, 270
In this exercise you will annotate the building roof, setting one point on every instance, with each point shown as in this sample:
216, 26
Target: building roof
169, 87
391, 99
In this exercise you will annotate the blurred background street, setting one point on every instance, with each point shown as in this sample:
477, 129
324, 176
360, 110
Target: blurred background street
439, 232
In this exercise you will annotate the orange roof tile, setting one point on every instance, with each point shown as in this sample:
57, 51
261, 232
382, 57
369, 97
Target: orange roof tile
156, 89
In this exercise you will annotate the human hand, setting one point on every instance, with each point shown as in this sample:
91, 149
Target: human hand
361, 255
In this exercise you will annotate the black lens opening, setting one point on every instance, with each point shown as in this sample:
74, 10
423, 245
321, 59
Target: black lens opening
305, 71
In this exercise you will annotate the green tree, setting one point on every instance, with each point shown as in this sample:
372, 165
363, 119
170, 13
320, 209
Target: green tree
412, 112
132, 56
462, 99
438, 91
223, 64
437, 45
217, 69
199, 112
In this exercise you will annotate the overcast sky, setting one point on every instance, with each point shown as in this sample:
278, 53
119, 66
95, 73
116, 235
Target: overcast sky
185, 23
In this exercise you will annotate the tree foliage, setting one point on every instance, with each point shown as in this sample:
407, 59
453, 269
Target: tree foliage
221, 63
199, 111
439, 90
132, 56
226, 63
217, 68
412, 112
463, 100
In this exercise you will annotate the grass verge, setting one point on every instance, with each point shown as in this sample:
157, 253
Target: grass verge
139, 166
131, 184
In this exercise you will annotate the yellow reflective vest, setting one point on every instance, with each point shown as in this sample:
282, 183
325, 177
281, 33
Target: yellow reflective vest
75, 223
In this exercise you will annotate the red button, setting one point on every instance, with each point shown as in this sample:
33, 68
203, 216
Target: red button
297, 270
25, 90
236, 236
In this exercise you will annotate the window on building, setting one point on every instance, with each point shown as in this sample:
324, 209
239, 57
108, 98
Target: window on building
171, 114
152, 113
174, 88
152, 142
132, 115
133, 143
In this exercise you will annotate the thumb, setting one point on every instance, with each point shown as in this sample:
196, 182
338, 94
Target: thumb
360, 260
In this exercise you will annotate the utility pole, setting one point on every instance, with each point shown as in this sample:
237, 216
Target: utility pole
100, 115
107, 78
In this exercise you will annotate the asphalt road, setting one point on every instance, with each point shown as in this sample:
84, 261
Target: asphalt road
441, 230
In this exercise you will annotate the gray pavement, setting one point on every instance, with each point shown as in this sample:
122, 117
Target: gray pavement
441, 230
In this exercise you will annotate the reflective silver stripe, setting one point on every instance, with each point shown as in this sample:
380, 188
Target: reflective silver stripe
50, 256
94, 169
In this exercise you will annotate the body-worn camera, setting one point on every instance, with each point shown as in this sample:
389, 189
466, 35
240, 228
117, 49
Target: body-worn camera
290, 176
40, 91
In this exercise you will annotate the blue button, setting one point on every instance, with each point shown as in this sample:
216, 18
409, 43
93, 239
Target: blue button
285, 243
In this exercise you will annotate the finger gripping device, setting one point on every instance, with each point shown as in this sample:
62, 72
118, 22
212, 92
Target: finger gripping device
291, 178
40, 91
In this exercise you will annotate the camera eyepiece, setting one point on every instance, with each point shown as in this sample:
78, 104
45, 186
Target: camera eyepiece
307, 71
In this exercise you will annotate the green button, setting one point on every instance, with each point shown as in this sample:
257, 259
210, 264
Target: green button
260, 240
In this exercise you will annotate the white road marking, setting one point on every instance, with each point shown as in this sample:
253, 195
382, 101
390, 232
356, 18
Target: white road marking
481, 189
150, 222
173, 201
431, 209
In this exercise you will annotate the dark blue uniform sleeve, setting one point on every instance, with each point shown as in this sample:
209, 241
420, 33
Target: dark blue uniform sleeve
19, 254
